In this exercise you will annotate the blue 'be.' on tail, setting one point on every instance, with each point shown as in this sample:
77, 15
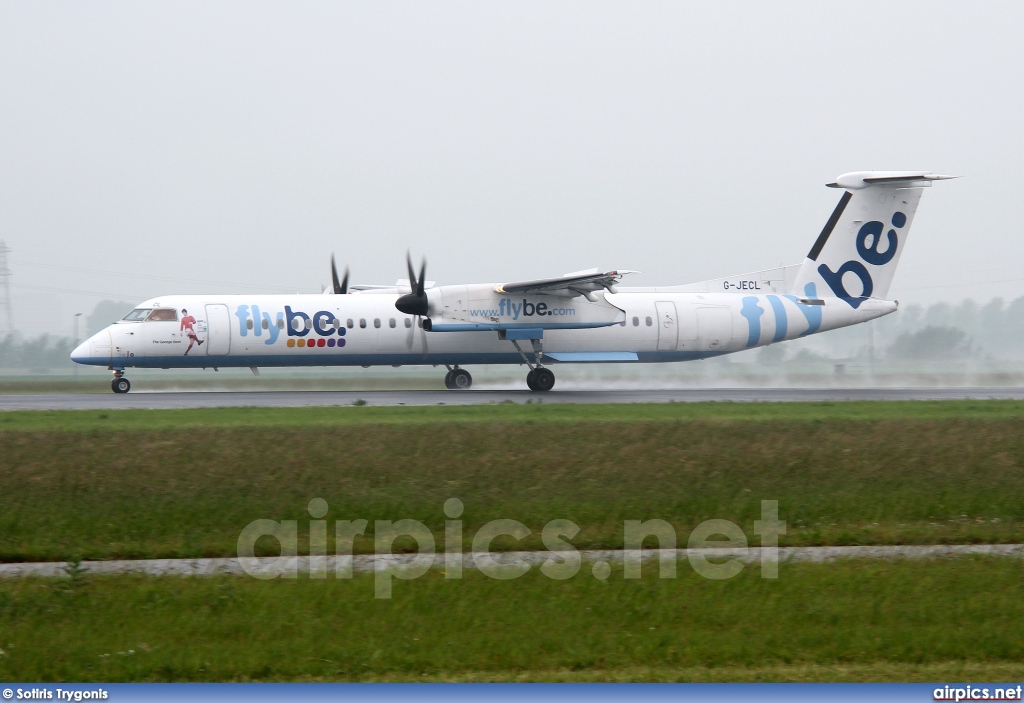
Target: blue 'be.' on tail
855, 256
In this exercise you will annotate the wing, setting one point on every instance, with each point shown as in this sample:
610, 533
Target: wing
572, 284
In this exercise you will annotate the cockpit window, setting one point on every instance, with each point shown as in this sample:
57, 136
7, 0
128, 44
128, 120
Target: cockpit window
137, 315
163, 315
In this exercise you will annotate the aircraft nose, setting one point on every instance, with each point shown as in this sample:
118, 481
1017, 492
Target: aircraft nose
81, 352
94, 351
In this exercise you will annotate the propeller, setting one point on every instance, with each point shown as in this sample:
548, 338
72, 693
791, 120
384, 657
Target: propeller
339, 288
411, 337
415, 302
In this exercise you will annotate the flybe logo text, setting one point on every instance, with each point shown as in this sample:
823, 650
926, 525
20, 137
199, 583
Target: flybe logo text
507, 308
252, 320
868, 240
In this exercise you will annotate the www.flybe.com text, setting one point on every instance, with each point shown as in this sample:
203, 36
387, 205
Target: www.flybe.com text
507, 308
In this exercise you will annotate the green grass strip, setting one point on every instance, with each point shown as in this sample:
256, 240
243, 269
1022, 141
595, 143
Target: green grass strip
863, 621
189, 491
109, 420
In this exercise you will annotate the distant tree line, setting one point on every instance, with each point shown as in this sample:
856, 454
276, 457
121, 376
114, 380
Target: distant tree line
52, 353
964, 331
43, 353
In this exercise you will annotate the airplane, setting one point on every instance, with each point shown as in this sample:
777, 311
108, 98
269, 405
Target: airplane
581, 317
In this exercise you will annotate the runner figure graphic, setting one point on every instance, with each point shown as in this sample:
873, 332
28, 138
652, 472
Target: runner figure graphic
187, 322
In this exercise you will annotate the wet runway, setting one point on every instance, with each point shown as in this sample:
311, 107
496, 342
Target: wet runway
284, 399
598, 560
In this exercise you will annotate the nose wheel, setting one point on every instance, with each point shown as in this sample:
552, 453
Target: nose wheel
540, 379
458, 380
120, 384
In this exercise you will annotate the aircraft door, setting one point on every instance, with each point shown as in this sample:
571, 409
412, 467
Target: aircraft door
714, 328
99, 345
668, 326
218, 330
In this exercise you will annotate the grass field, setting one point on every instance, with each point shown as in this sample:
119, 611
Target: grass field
903, 620
184, 483
252, 417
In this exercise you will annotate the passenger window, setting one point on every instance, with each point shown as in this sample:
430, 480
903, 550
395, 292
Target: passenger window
336, 323
280, 323
408, 323
636, 321
391, 323
248, 324
297, 324
362, 323
376, 322
163, 315
349, 323
649, 322
309, 324
266, 324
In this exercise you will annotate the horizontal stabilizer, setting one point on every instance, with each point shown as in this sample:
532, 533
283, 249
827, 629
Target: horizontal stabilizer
899, 179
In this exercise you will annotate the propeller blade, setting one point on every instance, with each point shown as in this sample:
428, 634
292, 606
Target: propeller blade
340, 288
417, 323
334, 276
415, 302
412, 272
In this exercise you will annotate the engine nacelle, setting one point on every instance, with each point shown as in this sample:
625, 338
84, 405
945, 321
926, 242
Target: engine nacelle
480, 307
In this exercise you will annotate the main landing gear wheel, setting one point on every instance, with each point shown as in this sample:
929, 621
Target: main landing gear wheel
540, 379
458, 380
120, 385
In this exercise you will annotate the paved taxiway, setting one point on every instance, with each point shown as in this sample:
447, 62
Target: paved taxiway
599, 559
291, 399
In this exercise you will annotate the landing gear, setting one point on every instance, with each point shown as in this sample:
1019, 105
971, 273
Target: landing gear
458, 380
120, 384
540, 379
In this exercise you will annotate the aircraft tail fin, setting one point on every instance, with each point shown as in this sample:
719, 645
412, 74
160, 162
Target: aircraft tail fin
855, 256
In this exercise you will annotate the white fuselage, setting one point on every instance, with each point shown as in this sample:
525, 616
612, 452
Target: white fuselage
584, 316
365, 329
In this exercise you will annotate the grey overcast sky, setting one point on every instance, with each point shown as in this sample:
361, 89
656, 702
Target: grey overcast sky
149, 148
